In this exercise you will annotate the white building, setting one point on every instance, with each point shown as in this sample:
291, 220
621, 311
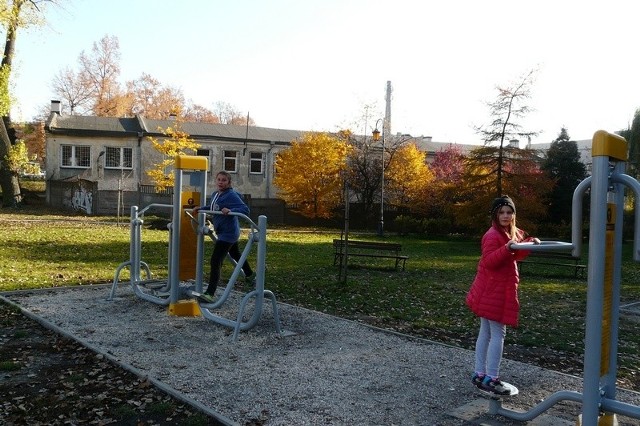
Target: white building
98, 164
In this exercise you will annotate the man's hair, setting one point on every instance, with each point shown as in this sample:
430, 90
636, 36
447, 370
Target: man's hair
224, 173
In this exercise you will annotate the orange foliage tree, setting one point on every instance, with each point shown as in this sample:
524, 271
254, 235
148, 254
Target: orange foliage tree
522, 180
309, 174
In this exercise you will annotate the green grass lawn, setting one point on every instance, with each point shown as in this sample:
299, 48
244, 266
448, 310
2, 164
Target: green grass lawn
427, 299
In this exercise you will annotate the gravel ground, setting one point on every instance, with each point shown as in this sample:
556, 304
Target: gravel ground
48, 379
324, 370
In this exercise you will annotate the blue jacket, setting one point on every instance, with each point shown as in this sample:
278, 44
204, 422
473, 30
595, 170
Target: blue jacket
227, 227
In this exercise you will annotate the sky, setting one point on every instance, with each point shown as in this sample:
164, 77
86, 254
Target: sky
323, 65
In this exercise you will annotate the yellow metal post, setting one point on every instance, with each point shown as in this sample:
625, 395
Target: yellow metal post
185, 248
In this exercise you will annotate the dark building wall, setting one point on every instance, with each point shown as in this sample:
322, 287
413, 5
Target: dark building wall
82, 197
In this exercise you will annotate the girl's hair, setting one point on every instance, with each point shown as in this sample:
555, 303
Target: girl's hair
513, 231
224, 173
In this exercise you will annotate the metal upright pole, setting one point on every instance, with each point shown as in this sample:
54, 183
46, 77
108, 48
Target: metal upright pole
376, 137
174, 261
600, 270
345, 255
381, 224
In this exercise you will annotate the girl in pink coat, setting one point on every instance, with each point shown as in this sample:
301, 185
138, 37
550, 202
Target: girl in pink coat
494, 293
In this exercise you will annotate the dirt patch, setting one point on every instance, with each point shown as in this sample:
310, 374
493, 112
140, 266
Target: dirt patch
49, 379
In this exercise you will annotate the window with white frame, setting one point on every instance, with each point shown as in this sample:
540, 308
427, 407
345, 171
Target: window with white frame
118, 158
75, 156
256, 162
230, 161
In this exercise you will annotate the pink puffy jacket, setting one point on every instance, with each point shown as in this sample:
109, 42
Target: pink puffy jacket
494, 292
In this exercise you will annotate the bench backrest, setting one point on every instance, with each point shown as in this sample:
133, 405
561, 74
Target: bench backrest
368, 245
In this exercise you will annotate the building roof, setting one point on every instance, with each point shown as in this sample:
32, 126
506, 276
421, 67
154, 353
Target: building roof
141, 126
426, 144
91, 124
197, 130
584, 149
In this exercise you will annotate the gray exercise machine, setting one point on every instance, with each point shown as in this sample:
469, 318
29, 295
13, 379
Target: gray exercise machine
607, 183
186, 255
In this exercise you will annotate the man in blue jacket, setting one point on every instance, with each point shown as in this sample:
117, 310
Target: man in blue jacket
227, 229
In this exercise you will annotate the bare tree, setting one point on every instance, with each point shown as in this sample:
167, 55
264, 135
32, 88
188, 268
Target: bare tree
94, 89
73, 90
505, 111
101, 69
228, 114
198, 113
153, 100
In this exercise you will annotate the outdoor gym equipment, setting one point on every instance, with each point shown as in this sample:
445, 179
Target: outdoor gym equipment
155, 291
190, 170
186, 254
257, 234
607, 182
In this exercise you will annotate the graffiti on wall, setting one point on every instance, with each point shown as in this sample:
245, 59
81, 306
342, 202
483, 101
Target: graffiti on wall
79, 198
82, 200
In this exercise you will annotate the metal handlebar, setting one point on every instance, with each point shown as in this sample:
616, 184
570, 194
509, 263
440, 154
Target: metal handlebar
544, 245
211, 213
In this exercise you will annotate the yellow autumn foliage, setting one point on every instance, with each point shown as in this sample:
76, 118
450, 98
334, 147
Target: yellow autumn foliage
18, 158
309, 173
176, 142
407, 176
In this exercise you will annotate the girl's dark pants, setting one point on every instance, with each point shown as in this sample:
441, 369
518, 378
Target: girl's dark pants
220, 250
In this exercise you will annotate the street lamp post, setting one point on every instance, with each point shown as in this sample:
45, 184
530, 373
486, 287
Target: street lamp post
376, 137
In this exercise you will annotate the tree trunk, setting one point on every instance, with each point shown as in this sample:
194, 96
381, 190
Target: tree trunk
11, 196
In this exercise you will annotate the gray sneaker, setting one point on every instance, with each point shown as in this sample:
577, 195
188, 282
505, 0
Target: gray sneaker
494, 386
477, 380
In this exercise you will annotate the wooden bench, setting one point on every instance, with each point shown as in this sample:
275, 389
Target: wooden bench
368, 249
555, 258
